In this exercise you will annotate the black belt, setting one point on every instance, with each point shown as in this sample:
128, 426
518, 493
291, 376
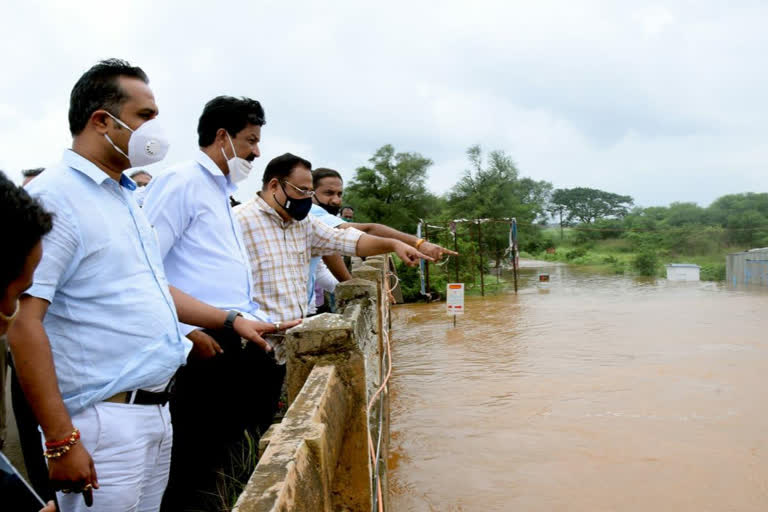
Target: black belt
142, 397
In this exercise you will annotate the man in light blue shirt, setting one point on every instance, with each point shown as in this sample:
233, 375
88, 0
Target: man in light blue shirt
320, 278
204, 255
97, 341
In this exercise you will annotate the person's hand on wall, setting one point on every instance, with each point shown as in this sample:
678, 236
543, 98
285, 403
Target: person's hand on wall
253, 330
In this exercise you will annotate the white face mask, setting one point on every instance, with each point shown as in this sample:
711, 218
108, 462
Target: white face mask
239, 168
147, 144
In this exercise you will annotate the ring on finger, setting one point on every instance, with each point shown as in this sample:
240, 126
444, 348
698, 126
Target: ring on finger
277, 326
88, 487
66, 491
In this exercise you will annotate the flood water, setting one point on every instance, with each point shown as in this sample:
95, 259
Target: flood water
591, 393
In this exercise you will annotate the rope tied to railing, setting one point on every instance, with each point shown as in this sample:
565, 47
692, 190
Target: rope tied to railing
375, 451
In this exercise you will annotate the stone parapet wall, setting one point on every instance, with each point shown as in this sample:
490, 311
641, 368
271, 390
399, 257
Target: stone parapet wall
318, 457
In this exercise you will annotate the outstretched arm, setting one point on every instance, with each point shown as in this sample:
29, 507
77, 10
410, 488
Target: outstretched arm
369, 245
428, 248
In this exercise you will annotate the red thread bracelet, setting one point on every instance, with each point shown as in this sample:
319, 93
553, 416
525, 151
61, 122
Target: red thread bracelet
69, 441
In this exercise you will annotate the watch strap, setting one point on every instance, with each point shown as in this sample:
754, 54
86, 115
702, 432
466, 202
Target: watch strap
229, 323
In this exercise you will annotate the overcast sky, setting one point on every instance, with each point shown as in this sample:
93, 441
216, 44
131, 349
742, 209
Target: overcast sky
664, 102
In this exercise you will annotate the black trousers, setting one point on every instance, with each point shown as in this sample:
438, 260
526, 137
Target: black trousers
216, 401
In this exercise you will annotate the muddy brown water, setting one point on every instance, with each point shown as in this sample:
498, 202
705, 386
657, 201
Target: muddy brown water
590, 393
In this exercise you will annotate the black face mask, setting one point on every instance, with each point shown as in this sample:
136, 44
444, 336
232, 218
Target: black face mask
296, 208
333, 210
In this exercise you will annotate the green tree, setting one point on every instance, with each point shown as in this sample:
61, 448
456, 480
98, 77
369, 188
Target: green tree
744, 216
588, 204
392, 190
495, 190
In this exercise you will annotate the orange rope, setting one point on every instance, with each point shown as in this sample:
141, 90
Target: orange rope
385, 334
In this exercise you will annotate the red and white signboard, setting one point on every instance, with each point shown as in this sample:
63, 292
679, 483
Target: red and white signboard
454, 299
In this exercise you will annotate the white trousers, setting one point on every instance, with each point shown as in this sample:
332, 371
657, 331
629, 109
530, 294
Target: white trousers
131, 450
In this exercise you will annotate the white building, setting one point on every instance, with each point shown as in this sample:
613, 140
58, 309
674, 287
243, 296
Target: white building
683, 272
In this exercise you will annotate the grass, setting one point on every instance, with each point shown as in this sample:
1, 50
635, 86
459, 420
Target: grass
616, 255
493, 284
240, 465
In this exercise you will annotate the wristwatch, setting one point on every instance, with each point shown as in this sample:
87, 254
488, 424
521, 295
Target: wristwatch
229, 323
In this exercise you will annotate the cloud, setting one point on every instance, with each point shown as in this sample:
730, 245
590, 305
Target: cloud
663, 102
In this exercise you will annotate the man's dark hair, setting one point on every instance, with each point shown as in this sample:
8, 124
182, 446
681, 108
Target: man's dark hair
31, 173
282, 166
323, 172
140, 171
232, 114
347, 208
26, 222
99, 88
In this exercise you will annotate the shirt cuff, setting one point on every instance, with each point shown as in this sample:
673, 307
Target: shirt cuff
42, 291
186, 328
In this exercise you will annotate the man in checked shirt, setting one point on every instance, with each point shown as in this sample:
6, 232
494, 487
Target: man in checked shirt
281, 238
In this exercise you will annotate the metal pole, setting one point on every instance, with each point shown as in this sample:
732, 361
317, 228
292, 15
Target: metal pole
426, 263
498, 261
456, 249
480, 249
514, 267
513, 227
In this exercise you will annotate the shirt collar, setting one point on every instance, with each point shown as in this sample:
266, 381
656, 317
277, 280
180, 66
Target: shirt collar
209, 165
262, 205
85, 166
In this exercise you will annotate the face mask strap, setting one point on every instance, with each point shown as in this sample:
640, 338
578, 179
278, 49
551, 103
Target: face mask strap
118, 121
116, 148
287, 197
232, 145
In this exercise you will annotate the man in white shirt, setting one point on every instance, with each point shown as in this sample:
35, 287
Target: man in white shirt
204, 255
96, 342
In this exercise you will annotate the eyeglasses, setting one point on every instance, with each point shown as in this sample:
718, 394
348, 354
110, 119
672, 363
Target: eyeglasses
303, 191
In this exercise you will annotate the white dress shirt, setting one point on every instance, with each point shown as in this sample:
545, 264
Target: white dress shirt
200, 241
112, 322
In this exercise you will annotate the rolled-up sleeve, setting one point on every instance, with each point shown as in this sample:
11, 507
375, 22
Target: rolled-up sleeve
61, 250
328, 240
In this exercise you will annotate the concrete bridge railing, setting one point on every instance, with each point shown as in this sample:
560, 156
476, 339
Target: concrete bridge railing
318, 457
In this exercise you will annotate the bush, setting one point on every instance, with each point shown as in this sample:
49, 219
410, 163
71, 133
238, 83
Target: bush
573, 254
713, 272
533, 241
646, 263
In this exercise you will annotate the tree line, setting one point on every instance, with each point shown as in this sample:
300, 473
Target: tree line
392, 190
